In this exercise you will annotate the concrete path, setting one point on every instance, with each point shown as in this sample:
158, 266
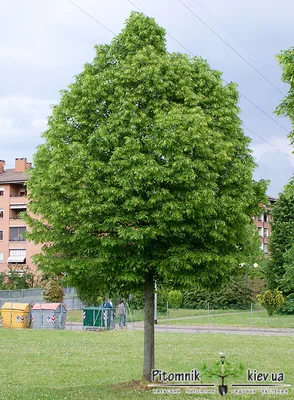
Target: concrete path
192, 329
231, 330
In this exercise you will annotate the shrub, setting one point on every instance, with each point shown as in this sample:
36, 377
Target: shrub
18, 277
271, 300
175, 298
52, 292
136, 300
288, 306
231, 295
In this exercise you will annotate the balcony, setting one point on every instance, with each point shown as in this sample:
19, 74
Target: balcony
16, 210
18, 190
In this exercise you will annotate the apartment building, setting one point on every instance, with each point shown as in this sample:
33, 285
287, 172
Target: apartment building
14, 248
263, 224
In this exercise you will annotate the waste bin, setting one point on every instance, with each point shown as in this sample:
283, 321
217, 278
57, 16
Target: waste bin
16, 315
48, 316
98, 318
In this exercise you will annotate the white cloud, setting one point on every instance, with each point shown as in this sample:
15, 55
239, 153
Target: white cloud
22, 119
281, 145
22, 110
40, 124
5, 124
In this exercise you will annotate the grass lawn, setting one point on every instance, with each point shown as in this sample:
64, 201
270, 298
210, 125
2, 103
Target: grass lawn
138, 315
39, 364
259, 319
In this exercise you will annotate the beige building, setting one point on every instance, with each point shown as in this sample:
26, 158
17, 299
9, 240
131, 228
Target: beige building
14, 248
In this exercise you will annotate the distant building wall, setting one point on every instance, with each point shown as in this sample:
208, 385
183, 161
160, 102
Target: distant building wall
262, 223
14, 248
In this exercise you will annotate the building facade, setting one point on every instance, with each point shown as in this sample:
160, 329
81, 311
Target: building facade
263, 224
14, 248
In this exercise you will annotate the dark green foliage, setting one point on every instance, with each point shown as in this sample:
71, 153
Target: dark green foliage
280, 269
232, 295
288, 306
17, 277
281, 242
52, 292
136, 300
2, 280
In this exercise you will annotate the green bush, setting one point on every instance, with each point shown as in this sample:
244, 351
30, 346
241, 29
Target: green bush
288, 306
17, 277
52, 292
175, 298
232, 295
136, 300
271, 300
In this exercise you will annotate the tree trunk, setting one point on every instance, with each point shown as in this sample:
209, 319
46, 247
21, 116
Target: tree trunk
148, 364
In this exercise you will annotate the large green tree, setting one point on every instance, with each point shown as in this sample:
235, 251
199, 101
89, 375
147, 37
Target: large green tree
286, 107
281, 264
145, 173
282, 238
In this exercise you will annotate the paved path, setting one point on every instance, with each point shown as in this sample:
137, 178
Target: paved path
210, 315
230, 330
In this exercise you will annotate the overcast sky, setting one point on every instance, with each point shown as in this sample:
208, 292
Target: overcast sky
44, 43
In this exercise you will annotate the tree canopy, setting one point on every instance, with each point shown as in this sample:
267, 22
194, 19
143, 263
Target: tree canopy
281, 239
281, 266
145, 173
286, 107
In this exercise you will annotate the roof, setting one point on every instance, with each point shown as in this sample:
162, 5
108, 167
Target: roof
47, 306
10, 176
16, 306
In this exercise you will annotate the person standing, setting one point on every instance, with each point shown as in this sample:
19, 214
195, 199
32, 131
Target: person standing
121, 311
109, 314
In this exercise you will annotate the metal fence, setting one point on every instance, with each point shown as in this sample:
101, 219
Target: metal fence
34, 296
31, 293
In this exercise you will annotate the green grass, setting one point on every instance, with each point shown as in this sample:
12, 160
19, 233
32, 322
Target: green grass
260, 319
138, 315
38, 364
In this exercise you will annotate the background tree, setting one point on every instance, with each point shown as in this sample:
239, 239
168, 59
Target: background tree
286, 107
52, 292
145, 173
281, 241
280, 267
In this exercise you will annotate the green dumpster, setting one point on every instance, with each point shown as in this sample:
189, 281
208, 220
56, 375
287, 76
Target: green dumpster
98, 318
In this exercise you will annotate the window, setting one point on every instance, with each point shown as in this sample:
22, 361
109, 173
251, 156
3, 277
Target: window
265, 217
1, 257
17, 252
1, 212
260, 230
1, 191
17, 256
16, 234
260, 218
1, 235
265, 232
265, 248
